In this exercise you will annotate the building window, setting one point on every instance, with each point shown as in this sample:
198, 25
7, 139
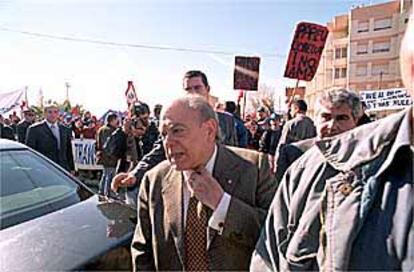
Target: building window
341, 53
343, 72
361, 70
380, 47
337, 73
362, 49
363, 27
340, 73
344, 52
382, 24
379, 69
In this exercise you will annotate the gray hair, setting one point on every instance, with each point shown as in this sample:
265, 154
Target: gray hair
338, 97
200, 105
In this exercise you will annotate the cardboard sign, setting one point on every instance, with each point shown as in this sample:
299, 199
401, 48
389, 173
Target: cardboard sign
84, 155
389, 99
246, 73
306, 51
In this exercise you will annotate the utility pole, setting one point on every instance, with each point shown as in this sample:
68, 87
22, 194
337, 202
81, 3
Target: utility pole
380, 80
67, 90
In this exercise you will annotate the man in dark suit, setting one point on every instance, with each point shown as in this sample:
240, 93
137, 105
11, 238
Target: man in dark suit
52, 139
23, 125
202, 209
194, 82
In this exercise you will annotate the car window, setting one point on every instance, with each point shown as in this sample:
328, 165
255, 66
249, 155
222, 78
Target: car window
31, 187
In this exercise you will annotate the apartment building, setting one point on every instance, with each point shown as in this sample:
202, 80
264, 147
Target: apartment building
362, 50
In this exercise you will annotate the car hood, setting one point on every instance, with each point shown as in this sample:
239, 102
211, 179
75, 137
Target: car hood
68, 238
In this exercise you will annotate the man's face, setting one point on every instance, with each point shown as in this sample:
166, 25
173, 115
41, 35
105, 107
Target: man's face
186, 140
114, 123
195, 85
29, 116
52, 114
331, 121
145, 118
261, 114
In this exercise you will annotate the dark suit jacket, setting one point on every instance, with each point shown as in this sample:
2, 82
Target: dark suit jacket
22, 131
228, 130
158, 243
40, 138
6, 132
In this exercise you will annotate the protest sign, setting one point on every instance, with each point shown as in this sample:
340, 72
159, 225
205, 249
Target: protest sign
246, 73
84, 155
388, 99
306, 51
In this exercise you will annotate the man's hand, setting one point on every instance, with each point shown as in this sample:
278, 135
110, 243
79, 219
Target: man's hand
205, 188
122, 180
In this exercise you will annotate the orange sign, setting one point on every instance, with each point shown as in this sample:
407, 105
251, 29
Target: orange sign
306, 51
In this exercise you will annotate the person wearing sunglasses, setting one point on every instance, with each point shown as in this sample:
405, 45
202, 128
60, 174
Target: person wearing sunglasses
22, 126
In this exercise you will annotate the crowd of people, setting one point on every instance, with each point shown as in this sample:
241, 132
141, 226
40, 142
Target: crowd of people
268, 193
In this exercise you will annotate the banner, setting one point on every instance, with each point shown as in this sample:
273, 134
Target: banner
11, 101
388, 99
246, 73
84, 154
306, 51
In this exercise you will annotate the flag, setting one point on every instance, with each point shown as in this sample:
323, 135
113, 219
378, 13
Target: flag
11, 101
130, 94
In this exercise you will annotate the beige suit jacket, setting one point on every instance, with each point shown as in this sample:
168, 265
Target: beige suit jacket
158, 242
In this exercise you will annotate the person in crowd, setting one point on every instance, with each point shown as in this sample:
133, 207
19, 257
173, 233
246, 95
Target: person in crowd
347, 203
28, 120
364, 118
108, 161
231, 108
125, 144
157, 112
52, 139
6, 132
300, 127
190, 206
143, 112
77, 127
89, 131
270, 138
194, 82
253, 135
14, 121
337, 111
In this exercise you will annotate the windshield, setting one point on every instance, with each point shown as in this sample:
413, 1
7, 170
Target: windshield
31, 186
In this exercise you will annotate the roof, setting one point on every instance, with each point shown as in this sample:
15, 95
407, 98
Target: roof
8, 144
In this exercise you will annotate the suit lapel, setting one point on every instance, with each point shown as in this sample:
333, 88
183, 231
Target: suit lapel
226, 171
173, 204
49, 132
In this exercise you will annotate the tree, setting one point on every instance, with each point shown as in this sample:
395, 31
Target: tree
265, 96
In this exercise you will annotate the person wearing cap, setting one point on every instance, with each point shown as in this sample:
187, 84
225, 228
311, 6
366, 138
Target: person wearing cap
22, 126
52, 139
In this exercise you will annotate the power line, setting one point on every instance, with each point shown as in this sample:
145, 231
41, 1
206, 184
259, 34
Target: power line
119, 44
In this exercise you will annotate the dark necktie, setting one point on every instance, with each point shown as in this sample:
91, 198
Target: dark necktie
196, 237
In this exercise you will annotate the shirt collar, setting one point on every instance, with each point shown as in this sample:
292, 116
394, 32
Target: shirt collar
50, 124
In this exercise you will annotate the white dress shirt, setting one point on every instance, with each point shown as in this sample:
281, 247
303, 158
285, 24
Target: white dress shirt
55, 131
218, 217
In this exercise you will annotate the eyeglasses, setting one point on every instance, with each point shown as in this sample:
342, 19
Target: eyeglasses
52, 111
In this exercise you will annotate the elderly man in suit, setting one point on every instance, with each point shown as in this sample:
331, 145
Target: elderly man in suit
202, 208
52, 139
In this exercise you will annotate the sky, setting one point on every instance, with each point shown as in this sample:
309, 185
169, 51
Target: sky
98, 73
